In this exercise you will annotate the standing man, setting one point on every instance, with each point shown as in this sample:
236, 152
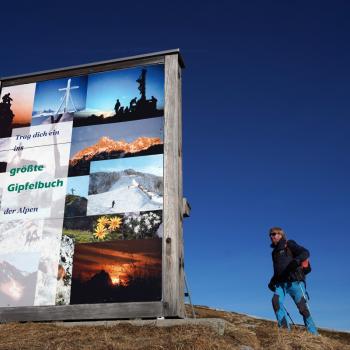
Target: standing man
117, 106
288, 278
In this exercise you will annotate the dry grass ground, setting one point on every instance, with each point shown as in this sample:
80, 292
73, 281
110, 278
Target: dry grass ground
263, 334
242, 333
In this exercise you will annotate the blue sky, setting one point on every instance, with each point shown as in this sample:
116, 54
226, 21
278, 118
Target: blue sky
80, 184
266, 124
47, 94
145, 164
105, 88
83, 137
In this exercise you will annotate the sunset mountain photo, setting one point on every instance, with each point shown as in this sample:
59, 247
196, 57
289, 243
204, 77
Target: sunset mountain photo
117, 271
106, 148
111, 147
113, 141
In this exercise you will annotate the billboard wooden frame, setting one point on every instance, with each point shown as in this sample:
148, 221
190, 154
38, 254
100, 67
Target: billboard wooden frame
172, 303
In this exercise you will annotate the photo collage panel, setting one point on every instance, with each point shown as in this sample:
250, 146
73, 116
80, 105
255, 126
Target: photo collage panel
81, 189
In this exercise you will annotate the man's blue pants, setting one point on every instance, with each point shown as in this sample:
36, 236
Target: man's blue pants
295, 290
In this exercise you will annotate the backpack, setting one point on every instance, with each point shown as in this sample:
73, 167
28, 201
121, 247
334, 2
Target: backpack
305, 264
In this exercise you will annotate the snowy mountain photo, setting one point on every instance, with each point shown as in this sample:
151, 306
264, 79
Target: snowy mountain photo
124, 191
126, 185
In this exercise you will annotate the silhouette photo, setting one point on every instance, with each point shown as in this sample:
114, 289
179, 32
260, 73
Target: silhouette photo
123, 95
16, 105
117, 271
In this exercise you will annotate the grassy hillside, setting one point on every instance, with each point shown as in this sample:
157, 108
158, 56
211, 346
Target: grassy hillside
241, 332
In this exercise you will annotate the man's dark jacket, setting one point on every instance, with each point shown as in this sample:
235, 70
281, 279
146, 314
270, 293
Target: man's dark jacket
286, 261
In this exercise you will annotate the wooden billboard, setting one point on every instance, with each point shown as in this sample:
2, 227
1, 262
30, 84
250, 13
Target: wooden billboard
91, 191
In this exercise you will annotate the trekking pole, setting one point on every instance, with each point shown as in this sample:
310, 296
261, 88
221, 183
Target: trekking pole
285, 309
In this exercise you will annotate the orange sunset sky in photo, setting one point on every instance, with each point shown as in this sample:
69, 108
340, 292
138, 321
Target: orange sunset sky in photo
118, 258
22, 104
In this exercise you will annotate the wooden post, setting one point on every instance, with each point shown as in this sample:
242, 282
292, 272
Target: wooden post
173, 285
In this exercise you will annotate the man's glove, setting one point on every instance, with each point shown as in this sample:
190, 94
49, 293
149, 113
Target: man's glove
271, 285
292, 266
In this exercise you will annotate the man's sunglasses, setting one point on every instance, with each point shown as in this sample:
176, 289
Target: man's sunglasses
273, 234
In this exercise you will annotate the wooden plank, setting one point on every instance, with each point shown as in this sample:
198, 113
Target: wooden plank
171, 216
82, 312
83, 71
173, 282
114, 60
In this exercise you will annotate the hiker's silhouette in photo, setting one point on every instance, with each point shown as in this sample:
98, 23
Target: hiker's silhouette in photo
290, 264
137, 108
133, 104
6, 116
7, 99
117, 106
